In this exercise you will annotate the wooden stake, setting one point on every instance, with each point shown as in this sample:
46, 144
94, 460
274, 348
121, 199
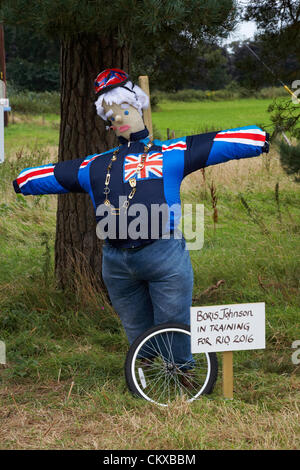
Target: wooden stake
228, 374
69, 394
144, 85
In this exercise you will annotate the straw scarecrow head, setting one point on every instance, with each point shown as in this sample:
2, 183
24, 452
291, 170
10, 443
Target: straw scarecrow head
120, 102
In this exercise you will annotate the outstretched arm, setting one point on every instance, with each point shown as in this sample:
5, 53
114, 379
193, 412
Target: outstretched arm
57, 178
218, 147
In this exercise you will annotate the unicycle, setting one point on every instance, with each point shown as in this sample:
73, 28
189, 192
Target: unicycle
153, 373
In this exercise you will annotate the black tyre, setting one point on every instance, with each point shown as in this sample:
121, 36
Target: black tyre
152, 372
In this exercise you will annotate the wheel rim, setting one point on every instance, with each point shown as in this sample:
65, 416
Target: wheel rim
162, 379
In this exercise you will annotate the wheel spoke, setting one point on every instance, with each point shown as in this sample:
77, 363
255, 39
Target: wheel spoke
170, 347
163, 384
150, 348
161, 354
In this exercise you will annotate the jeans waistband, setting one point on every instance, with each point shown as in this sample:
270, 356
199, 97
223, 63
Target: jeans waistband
142, 243
139, 247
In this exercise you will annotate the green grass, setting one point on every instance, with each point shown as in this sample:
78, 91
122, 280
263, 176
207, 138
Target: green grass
187, 118
65, 385
31, 132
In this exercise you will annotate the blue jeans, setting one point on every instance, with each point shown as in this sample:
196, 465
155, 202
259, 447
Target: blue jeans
151, 286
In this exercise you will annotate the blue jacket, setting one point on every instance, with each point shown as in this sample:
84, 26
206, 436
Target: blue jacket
167, 163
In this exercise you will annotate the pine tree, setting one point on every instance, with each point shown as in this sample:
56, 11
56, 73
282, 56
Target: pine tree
290, 159
94, 35
285, 118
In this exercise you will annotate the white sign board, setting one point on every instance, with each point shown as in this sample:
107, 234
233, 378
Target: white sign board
2, 353
228, 327
4, 103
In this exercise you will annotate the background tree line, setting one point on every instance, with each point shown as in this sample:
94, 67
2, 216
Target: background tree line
181, 62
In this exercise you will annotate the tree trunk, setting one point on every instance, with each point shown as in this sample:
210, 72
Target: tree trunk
82, 133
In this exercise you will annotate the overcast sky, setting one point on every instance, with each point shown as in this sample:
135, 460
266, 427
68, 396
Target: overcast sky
244, 30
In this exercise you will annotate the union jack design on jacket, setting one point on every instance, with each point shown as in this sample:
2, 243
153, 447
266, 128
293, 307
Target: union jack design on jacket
167, 163
153, 165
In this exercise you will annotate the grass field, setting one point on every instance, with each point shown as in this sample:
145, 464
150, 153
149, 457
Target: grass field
64, 386
187, 118
31, 132
184, 118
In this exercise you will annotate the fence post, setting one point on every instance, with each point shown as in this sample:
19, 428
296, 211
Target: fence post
228, 374
144, 85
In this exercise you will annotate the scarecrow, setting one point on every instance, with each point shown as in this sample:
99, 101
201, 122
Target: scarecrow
149, 277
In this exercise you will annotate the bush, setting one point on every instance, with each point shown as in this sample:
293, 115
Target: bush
30, 102
272, 92
154, 102
231, 92
181, 95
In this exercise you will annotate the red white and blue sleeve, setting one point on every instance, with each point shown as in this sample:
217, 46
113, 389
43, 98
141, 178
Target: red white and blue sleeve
218, 147
57, 178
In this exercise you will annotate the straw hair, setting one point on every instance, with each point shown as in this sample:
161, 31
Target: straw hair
137, 98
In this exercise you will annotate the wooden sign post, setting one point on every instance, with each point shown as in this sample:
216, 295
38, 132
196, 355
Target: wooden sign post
144, 85
228, 328
228, 374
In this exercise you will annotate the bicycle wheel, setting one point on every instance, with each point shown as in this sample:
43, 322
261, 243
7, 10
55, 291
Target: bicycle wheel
153, 373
